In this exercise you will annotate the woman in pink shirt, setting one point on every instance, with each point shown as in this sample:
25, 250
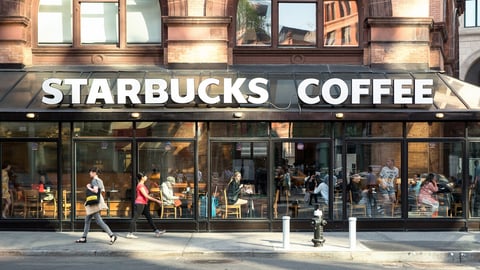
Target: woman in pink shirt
427, 189
141, 207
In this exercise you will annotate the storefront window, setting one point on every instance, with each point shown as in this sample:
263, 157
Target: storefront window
474, 129
435, 129
242, 196
473, 186
110, 129
28, 129
301, 178
170, 169
444, 162
301, 129
166, 129
239, 129
373, 180
114, 160
29, 179
373, 129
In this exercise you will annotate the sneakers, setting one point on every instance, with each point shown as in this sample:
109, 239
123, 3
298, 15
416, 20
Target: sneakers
159, 232
131, 236
113, 238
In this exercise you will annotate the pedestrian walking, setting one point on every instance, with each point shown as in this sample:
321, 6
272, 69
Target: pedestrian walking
93, 211
141, 207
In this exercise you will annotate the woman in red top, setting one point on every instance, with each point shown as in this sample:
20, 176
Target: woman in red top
141, 207
428, 188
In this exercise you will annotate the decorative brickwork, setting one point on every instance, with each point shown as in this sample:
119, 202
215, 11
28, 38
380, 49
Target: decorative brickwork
15, 32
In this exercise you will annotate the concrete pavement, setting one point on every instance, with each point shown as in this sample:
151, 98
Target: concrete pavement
456, 247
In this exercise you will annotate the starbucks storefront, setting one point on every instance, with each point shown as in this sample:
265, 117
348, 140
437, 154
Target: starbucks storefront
275, 125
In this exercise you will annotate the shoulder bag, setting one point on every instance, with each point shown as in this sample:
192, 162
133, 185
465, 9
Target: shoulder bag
92, 197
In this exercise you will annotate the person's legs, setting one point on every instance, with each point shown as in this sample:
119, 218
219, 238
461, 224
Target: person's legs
6, 206
136, 214
146, 212
86, 226
101, 223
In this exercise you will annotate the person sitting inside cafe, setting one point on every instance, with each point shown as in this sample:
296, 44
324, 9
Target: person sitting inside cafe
234, 188
168, 196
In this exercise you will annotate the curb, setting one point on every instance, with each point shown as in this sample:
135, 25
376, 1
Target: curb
357, 256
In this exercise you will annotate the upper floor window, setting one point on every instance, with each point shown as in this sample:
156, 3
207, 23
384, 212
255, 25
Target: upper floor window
84, 22
472, 13
284, 24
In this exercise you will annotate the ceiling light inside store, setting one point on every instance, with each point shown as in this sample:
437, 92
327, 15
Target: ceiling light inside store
30, 115
238, 115
439, 115
135, 115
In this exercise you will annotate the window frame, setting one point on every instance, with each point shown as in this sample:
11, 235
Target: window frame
475, 13
76, 28
320, 28
77, 53
319, 54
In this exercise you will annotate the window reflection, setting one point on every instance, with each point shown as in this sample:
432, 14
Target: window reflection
428, 158
55, 21
300, 129
249, 159
170, 169
373, 180
114, 160
253, 22
99, 22
29, 180
297, 30
28, 129
340, 23
143, 21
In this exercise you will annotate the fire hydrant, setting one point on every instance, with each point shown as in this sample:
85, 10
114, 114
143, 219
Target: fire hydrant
318, 223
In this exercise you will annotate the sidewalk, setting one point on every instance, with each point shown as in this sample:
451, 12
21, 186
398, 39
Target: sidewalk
453, 247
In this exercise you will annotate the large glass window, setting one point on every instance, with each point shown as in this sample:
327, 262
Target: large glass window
373, 180
472, 13
114, 160
170, 169
442, 161
301, 180
29, 180
277, 23
239, 196
99, 22
473, 183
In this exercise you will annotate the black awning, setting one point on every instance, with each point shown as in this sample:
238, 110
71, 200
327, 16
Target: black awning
21, 92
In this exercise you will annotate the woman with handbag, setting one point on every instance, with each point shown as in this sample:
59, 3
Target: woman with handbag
141, 207
93, 206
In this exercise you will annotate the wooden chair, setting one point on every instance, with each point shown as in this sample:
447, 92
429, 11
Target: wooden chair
230, 209
18, 203
32, 202
169, 209
354, 206
154, 207
49, 205
66, 203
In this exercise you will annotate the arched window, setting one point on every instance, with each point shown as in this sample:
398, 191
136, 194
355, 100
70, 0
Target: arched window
100, 22
286, 24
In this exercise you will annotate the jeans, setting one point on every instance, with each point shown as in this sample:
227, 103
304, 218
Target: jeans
99, 221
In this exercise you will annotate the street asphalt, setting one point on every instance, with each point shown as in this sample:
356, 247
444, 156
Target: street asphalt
456, 247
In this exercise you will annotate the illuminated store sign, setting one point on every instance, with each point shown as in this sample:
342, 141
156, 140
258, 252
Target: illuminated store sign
333, 91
